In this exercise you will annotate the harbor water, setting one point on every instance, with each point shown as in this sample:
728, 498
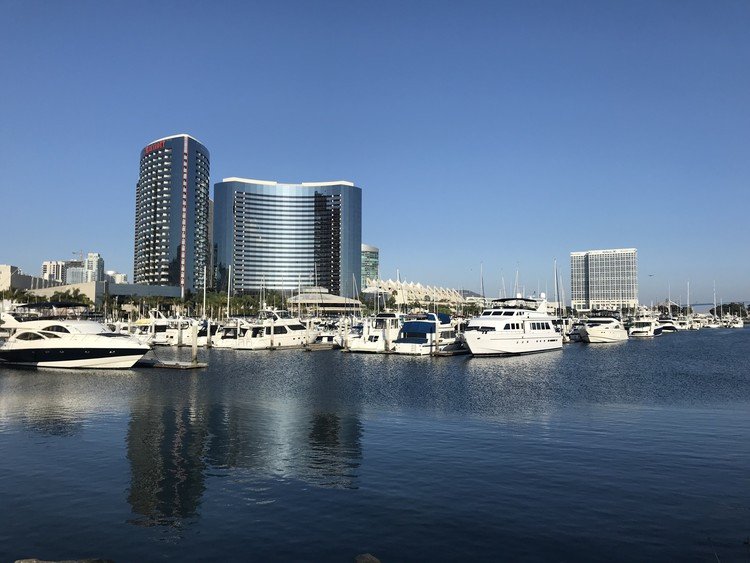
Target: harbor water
638, 450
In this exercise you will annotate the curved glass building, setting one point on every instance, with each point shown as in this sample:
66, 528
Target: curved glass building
283, 236
171, 213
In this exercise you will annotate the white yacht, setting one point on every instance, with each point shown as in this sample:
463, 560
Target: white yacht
513, 326
734, 322
274, 329
667, 324
180, 331
603, 328
425, 334
712, 322
152, 329
574, 334
644, 327
378, 335
70, 344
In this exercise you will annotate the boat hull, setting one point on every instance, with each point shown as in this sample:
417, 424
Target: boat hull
74, 357
264, 342
424, 348
486, 345
594, 336
645, 333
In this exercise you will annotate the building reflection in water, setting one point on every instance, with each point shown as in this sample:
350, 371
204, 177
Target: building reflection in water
335, 449
174, 441
165, 448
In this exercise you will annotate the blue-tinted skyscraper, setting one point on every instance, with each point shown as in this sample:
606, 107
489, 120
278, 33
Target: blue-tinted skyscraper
279, 236
171, 213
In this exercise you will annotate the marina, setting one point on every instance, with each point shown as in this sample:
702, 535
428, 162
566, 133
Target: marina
374, 282
625, 451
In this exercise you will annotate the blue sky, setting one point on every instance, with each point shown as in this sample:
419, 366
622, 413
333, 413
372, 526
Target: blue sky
502, 133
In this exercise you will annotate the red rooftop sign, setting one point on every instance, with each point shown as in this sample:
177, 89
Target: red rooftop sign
155, 147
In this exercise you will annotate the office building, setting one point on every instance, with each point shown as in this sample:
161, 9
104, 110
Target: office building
604, 279
94, 266
211, 269
370, 263
112, 276
75, 274
171, 213
284, 236
54, 270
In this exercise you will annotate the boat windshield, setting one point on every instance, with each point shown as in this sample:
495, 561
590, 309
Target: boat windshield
516, 303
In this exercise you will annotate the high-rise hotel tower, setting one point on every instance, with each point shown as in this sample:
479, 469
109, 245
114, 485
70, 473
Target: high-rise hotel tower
604, 279
282, 236
171, 213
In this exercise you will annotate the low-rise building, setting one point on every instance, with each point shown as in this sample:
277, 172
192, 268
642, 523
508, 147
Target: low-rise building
97, 291
407, 293
11, 277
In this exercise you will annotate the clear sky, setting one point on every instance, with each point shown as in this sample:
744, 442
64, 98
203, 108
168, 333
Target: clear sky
506, 134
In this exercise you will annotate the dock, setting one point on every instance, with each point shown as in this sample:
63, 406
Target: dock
459, 352
317, 346
147, 363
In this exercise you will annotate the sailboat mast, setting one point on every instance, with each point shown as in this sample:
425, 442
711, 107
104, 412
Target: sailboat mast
204, 291
229, 287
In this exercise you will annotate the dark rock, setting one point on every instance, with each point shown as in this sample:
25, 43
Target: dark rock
65, 561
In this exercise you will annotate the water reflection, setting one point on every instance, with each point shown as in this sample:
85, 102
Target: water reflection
180, 436
335, 449
165, 449
44, 404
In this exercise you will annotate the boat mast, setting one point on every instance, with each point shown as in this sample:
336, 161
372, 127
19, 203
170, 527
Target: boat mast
481, 280
557, 295
204, 291
714, 298
229, 287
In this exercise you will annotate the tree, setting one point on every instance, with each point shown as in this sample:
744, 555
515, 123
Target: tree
737, 309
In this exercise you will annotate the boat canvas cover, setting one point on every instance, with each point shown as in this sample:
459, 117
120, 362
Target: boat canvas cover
444, 318
422, 327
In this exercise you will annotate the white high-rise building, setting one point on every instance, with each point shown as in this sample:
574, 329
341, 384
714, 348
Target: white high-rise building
604, 279
54, 270
94, 266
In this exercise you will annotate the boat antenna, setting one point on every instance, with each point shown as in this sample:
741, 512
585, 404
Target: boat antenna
481, 278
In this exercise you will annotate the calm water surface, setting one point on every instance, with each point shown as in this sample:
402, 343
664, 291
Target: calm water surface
631, 451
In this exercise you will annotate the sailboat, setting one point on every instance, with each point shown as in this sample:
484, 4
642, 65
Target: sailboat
714, 322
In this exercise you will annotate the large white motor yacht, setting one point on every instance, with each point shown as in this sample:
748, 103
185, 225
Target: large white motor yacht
70, 344
603, 328
513, 326
275, 329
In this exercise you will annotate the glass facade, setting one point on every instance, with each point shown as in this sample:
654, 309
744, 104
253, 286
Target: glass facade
370, 262
604, 279
171, 213
283, 236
